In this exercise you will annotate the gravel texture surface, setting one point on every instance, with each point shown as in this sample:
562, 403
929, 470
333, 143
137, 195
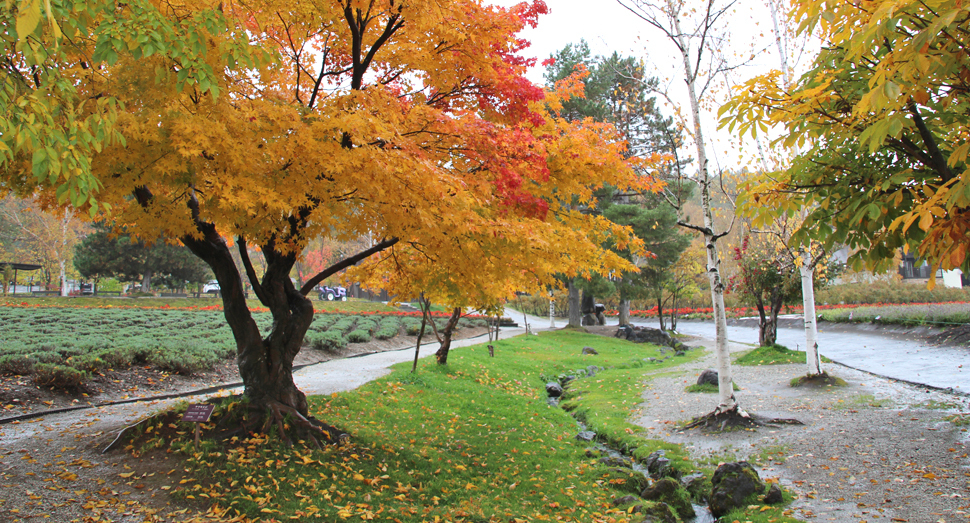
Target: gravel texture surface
875, 450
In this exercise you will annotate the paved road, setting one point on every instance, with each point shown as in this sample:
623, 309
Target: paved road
884, 351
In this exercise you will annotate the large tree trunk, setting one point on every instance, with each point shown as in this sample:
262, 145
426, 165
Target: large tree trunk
575, 314
660, 313
624, 312
808, 304
265, 365
146, 281
766, 329
673, 316
442, 354
588, 308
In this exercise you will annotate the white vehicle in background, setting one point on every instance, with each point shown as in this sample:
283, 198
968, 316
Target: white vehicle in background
211, 286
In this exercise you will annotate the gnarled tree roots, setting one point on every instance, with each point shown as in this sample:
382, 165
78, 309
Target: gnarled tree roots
244, 418
237, 416
735, 418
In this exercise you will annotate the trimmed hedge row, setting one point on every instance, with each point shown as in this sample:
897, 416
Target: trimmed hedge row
63, 347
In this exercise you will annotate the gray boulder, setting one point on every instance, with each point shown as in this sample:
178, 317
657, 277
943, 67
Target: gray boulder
590, 351
649, 335
695, 485
586, 435
670, 492
731, 484
774, 497
553, 389
657, 464
709, 377
625, 500
658, 513
616, 461
627, 480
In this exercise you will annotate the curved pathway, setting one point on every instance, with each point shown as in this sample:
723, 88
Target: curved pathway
880, 350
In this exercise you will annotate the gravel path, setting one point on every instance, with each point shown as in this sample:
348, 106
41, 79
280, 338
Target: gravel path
876, 450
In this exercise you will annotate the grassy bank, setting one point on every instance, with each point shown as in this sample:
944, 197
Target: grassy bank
474, 440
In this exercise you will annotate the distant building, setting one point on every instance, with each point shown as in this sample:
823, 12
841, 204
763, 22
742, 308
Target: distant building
914, 270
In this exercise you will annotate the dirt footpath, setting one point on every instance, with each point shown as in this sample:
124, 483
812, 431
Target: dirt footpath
876, 450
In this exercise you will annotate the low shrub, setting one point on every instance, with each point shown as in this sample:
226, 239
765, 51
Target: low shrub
322, 322
344, 324
58, 376
412, 326
888, 292
358, 336
329, 341
388, 332
48, 356
185, 359
91, 362
19, 364
773, 355
368, 325
707, 387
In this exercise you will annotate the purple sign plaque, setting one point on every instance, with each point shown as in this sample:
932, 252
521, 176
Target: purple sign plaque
198, 413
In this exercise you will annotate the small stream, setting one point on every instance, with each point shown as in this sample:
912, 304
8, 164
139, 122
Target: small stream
702, 511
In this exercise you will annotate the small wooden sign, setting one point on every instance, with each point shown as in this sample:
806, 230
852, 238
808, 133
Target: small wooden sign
198, 413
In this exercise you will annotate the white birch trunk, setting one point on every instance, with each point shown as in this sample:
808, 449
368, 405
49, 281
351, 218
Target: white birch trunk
807, 268
63, 278
726, 399
811, 327
552, 312
62, 253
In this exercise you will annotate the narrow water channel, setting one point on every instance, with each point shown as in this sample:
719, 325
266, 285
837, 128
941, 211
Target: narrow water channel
703, 513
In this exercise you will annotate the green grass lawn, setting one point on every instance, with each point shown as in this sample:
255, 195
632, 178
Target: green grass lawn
474, 440
773, 355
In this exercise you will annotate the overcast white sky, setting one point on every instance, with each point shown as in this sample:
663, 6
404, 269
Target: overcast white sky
604, 24
607, 26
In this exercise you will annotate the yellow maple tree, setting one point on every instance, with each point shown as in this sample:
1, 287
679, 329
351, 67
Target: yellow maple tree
268, 124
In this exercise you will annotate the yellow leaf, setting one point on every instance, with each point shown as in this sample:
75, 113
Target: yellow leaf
126, 475
28, 18
925, 220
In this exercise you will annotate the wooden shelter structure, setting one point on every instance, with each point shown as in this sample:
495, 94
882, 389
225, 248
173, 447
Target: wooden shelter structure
17, 267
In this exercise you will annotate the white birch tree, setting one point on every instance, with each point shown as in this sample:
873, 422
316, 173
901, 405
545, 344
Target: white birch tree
700, 66
809, 262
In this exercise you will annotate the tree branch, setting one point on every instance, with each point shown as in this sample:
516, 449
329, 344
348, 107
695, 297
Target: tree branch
251, 271
346, 262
